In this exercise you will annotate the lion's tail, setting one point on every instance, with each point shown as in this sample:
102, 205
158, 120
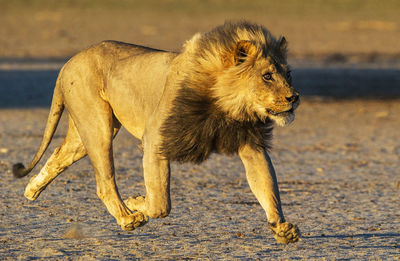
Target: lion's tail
56, 110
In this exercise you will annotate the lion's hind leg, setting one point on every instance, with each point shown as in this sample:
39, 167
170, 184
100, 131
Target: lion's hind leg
97, 127
70, 151
156, 168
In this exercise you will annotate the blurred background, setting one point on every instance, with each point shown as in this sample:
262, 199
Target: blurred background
341, 29
353, 46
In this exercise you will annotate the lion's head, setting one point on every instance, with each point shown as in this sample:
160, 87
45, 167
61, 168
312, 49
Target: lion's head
244, 69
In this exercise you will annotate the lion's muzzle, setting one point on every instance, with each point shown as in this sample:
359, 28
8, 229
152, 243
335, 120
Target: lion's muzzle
293, 99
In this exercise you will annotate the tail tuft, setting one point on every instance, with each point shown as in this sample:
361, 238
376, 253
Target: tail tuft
19, 170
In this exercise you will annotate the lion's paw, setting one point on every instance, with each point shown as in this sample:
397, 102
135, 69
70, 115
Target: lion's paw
136, 204
285, 232
32, 192
133, 221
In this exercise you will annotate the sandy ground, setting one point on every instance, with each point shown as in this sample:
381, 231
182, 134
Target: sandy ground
338, 164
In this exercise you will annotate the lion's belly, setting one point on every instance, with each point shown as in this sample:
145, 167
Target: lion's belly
135, 87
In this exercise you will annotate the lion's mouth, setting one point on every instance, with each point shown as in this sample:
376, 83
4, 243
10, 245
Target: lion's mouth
281, 113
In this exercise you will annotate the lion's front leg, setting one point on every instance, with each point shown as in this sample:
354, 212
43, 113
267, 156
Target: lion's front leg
136, 203
157, 202
285, 232
263, 183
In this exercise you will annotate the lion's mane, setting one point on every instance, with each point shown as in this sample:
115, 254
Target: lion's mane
197, 125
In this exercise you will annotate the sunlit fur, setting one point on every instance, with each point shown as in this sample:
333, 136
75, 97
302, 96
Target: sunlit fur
222, 102
211, 97
238, 88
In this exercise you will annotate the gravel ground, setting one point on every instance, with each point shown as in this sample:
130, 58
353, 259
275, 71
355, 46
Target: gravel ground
337, 164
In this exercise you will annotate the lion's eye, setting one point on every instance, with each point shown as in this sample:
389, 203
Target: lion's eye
267, 76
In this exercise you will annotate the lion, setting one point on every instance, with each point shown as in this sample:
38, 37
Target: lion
221, 94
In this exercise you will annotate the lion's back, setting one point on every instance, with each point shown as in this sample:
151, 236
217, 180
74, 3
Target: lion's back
102, 56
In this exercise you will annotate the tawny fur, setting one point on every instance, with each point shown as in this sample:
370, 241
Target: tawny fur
221, 94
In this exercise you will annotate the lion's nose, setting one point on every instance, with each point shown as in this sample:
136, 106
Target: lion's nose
293, 98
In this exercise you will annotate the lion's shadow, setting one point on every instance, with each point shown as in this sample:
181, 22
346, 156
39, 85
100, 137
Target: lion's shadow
366, 237
362, 235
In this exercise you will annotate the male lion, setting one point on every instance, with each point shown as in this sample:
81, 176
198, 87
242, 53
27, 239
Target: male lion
221, 94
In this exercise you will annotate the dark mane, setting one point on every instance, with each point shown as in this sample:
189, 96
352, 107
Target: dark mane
195, 128
197, 125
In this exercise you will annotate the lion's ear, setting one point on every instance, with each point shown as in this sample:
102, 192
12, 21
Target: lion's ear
243, 50
283, 45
